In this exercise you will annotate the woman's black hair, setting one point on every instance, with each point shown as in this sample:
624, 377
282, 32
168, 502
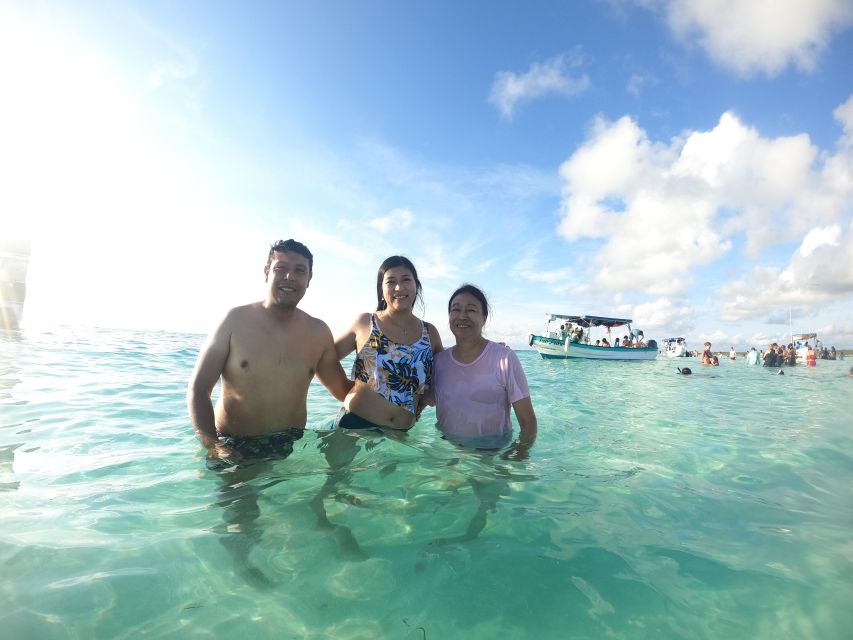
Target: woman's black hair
390, 263
474, 291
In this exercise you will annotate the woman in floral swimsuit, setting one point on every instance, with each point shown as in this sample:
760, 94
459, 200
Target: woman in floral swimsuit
394, 353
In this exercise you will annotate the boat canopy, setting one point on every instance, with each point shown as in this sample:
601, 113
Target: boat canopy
673, 339
804, 336
590, 321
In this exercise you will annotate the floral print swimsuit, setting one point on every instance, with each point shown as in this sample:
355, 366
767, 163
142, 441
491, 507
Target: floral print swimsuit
395, 371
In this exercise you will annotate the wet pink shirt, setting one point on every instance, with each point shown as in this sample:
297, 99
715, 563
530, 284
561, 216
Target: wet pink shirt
474, 399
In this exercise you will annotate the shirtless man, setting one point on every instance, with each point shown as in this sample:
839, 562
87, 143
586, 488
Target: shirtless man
266, 354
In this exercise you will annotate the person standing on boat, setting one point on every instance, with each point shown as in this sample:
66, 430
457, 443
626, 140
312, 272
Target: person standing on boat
265, 354
395, 352
477, 381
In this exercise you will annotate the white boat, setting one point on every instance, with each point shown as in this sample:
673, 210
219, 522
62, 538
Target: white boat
554, 344
14, 258
675, 348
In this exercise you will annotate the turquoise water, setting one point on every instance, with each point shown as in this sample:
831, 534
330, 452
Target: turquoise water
653, 506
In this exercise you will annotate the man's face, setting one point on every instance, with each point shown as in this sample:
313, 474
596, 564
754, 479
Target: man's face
287, 277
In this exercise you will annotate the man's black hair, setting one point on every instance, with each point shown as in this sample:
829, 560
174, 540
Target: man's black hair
295, 247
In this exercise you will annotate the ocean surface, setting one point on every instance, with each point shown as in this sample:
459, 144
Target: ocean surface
653, 505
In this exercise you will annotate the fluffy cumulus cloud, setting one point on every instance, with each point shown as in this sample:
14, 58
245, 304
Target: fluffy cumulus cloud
661, 209
758, 37
558, 76
663, 314
820, 271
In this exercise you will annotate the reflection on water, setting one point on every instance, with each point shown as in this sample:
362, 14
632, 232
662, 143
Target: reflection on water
237, 496
340, 449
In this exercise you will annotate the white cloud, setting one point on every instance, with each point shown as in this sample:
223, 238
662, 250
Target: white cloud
818, 238
551, 77
663, 314
396, 220
819, 272
661, 210
844, 114
639, 82
759, 37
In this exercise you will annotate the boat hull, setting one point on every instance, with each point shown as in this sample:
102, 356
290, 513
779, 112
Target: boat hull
558, 349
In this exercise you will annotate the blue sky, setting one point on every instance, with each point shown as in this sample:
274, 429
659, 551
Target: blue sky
685, 163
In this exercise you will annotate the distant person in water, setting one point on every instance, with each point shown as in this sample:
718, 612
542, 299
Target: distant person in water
811, 358
769, 357
752, 357
706, 354
394, 353
477, 381
266, 354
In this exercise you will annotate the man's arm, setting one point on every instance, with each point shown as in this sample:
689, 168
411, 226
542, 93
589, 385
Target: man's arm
329, 369
208, 367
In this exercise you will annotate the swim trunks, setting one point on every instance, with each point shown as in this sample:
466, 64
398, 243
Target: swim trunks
270, 446
393, 370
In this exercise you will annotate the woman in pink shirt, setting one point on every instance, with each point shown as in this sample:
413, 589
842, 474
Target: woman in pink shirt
477, 380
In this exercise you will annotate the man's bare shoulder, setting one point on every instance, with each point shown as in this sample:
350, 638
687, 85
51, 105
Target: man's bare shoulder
237, 315
314, 324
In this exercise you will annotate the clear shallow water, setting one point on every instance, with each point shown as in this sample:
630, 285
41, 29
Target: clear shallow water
654, 506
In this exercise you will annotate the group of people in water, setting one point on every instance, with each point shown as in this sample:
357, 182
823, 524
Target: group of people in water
776, 355
266, 353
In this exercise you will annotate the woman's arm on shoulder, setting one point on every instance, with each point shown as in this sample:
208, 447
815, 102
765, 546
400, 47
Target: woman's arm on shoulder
346, 342
329, 370
434, 338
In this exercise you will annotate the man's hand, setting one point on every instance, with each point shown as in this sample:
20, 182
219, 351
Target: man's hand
220, 451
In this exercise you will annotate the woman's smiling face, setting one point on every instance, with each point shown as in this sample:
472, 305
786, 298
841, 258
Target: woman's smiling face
399, 288
466, 317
